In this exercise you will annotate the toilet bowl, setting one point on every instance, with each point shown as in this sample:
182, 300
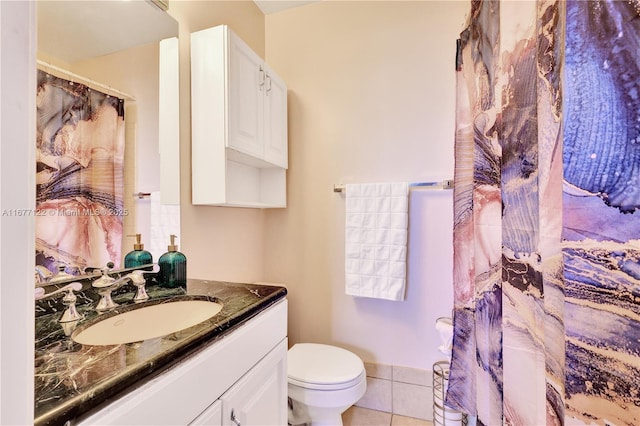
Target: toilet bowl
324, 381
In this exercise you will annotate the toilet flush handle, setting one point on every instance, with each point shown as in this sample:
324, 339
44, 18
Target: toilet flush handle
233, 418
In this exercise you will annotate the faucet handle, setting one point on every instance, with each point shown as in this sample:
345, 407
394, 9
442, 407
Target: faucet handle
38, 293
137, 278
69, 300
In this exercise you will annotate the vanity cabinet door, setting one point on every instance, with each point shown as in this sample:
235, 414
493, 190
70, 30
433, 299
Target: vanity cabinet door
260, 397
212, 416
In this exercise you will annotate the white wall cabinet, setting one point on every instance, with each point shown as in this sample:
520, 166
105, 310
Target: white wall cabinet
244, 373
238, 124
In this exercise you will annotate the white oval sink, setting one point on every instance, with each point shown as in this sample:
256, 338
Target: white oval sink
147, 322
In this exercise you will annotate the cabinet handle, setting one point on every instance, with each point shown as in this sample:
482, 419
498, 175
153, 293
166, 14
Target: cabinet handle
261, 78
233, 418
268, 79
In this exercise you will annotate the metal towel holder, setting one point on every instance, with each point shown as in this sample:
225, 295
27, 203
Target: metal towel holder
445, 184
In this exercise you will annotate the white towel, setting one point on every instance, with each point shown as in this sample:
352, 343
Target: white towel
377, 217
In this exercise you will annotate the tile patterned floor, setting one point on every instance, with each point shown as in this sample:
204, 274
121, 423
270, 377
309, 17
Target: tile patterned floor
358, 416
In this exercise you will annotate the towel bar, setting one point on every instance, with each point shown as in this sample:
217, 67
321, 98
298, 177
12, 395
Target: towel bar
445, 184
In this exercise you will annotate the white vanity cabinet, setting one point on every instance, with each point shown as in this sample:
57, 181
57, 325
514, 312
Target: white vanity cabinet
238, 124
243, 374
212, 416
256, 400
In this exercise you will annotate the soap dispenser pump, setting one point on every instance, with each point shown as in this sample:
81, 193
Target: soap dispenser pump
138, 256
173, 267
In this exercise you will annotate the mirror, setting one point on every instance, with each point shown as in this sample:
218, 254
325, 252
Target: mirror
115, 45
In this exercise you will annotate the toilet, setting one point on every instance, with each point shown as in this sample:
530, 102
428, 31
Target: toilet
324, 381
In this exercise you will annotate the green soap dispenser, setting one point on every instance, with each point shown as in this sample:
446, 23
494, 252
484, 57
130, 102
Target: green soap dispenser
138, 256
173, 267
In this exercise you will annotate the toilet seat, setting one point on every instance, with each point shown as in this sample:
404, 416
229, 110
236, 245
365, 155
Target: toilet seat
323, 367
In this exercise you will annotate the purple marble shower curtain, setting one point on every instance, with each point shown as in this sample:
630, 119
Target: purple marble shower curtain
546, 225
80, 158
601, 205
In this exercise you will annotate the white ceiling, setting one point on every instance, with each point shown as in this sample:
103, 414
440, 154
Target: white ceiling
273, 6
77, 30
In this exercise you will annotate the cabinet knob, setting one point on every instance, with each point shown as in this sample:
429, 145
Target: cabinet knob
233, 418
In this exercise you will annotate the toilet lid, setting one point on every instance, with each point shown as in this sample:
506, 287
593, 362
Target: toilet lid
316, 364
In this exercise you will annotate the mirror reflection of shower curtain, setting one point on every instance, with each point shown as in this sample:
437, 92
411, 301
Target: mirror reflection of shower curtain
80, 175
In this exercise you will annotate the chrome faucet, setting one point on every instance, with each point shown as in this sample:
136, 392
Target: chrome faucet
93, 269
106, 284
44, 275
60, 275
69, 300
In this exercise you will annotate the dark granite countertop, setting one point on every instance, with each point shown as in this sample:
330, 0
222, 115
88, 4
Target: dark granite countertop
72, 379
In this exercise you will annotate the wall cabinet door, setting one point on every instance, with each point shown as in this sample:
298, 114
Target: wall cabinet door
275, 119
257, 106
246, 104
260, 397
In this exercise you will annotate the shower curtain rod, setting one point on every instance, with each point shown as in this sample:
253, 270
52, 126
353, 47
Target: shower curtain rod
445, 184
46, 67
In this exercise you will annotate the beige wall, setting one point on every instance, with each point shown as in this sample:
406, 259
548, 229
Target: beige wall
220, 243
371, 98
